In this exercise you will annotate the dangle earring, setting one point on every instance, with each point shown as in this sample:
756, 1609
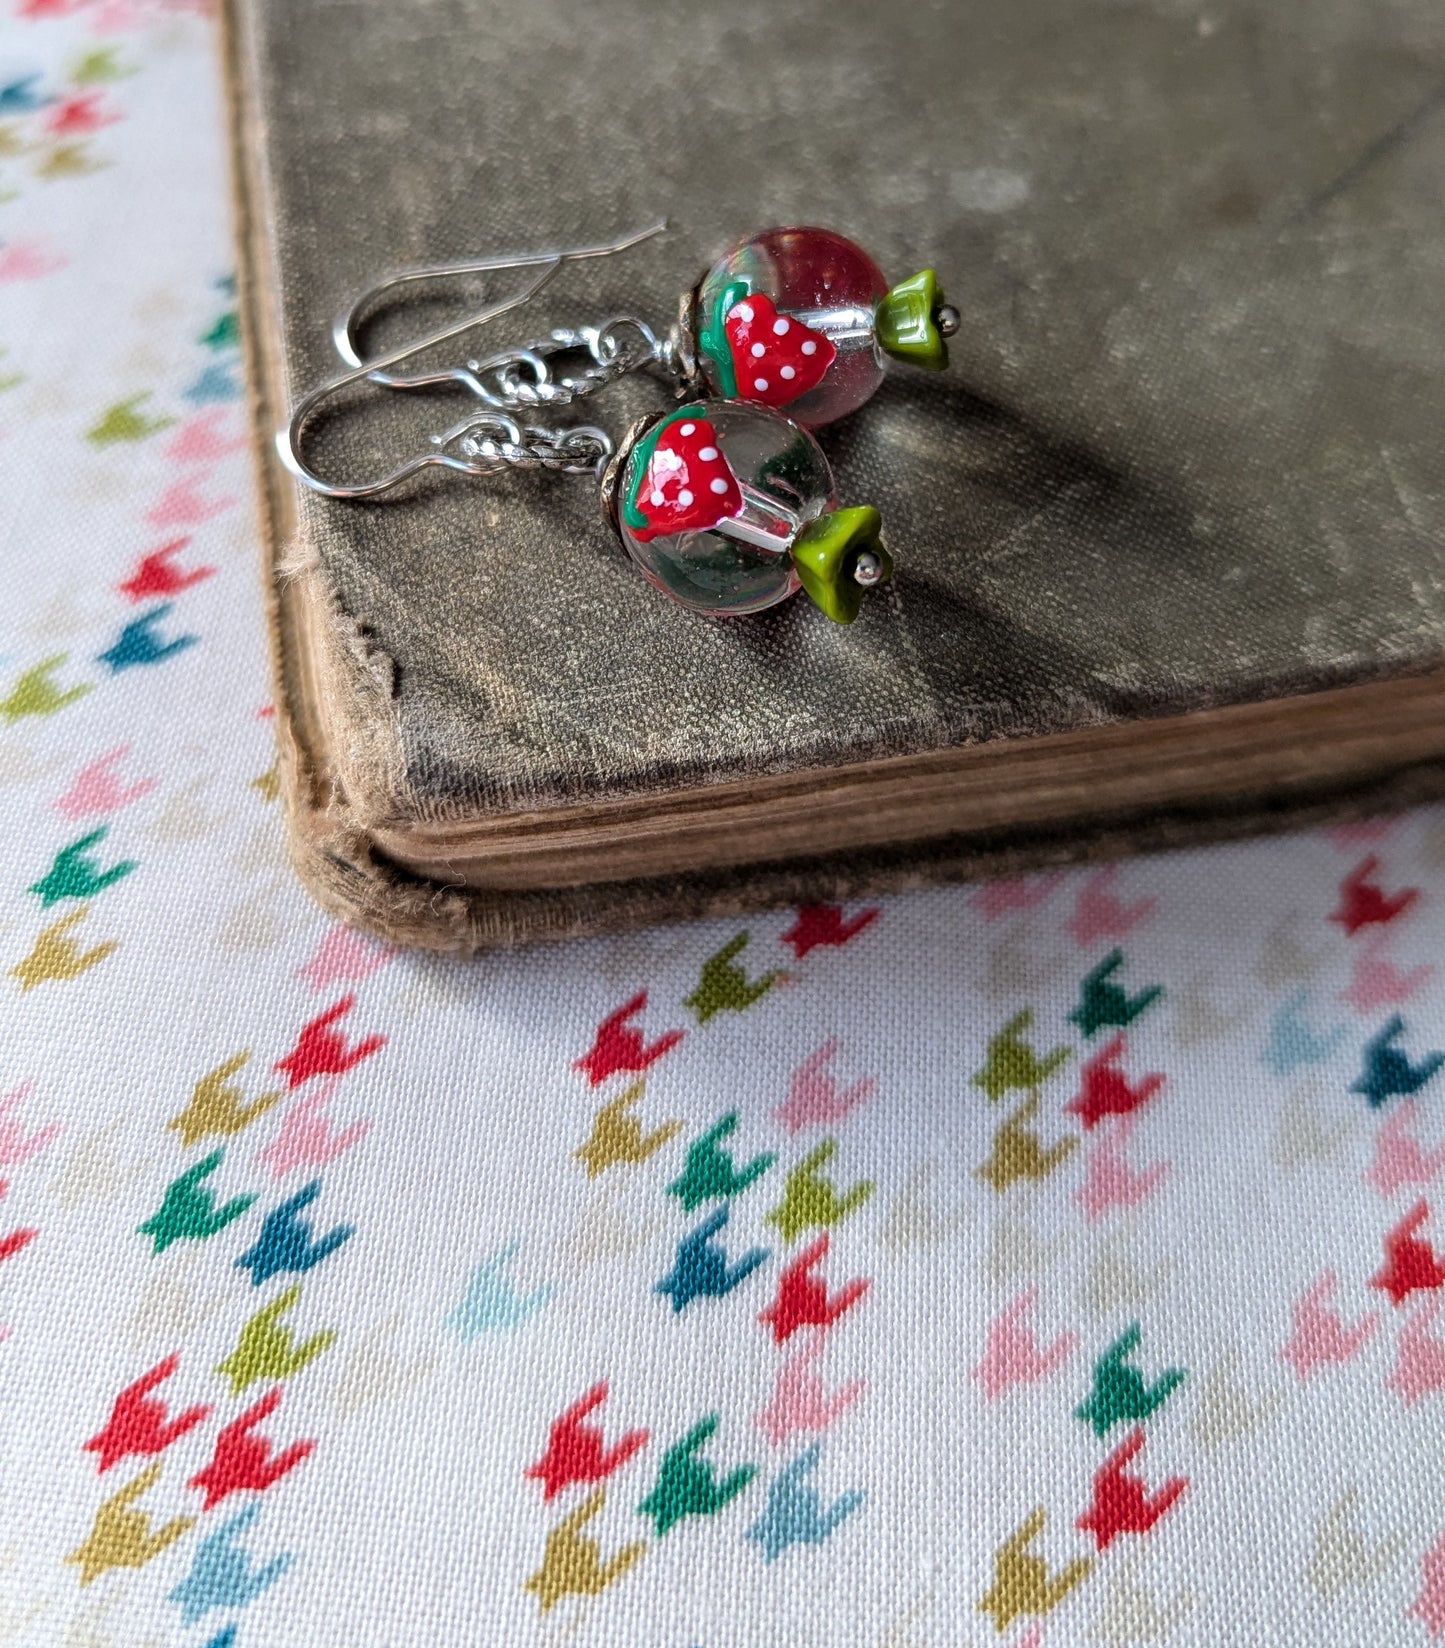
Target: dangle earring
726, 507
798, 318
725, 504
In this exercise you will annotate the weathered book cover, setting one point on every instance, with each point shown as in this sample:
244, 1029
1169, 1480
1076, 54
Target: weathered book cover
1168, 533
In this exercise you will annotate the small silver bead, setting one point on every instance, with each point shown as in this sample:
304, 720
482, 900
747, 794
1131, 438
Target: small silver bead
948, 320
867, 569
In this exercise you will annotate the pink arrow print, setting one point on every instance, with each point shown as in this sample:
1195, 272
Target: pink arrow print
1377, 982
307, 1138
1419, 1357
1012, 1355
800, 1401
16, 1145
200, 439
1429, 1606
1399, 1157
1099, 913
27, 260
1321, 1335
814, 1096
344, 956
996, 899
1109, 1179
183, 504
98, 789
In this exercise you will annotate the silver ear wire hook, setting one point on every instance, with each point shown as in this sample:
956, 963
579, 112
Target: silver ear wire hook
527, 448
343, 331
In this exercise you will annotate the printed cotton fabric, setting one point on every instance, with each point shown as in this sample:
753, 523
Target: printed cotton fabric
1045, 1262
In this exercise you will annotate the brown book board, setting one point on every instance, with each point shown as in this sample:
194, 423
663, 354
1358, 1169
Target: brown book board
1168, 534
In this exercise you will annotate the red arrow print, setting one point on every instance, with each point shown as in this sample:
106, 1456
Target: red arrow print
817, 925
322, 1051
1363, 902
245, 1461
803, 1299
1122, 1502
576, 1452
1411, 1264
619, 1045
11, 1245
157, 574
1104, 1088
138, 1422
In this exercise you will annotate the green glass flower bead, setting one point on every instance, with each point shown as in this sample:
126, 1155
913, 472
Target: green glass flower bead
840, 555
908, 318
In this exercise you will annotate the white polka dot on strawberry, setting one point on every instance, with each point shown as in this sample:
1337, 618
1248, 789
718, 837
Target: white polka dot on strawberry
785, 357
689, 485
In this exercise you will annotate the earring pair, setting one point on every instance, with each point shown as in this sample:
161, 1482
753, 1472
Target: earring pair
727, 503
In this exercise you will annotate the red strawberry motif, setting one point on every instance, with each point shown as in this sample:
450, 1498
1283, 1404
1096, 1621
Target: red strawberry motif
688, 485
776, 358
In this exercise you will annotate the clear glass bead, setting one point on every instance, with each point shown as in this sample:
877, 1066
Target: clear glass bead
808, 346
711, 498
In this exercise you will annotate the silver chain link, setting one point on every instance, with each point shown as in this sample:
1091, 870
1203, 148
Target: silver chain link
489, 441
526, 377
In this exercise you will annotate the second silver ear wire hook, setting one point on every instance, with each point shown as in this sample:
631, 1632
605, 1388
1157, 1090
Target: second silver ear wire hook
607, 342
492, 439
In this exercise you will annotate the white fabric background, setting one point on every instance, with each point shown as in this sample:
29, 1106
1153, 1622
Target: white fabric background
1314, 1504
